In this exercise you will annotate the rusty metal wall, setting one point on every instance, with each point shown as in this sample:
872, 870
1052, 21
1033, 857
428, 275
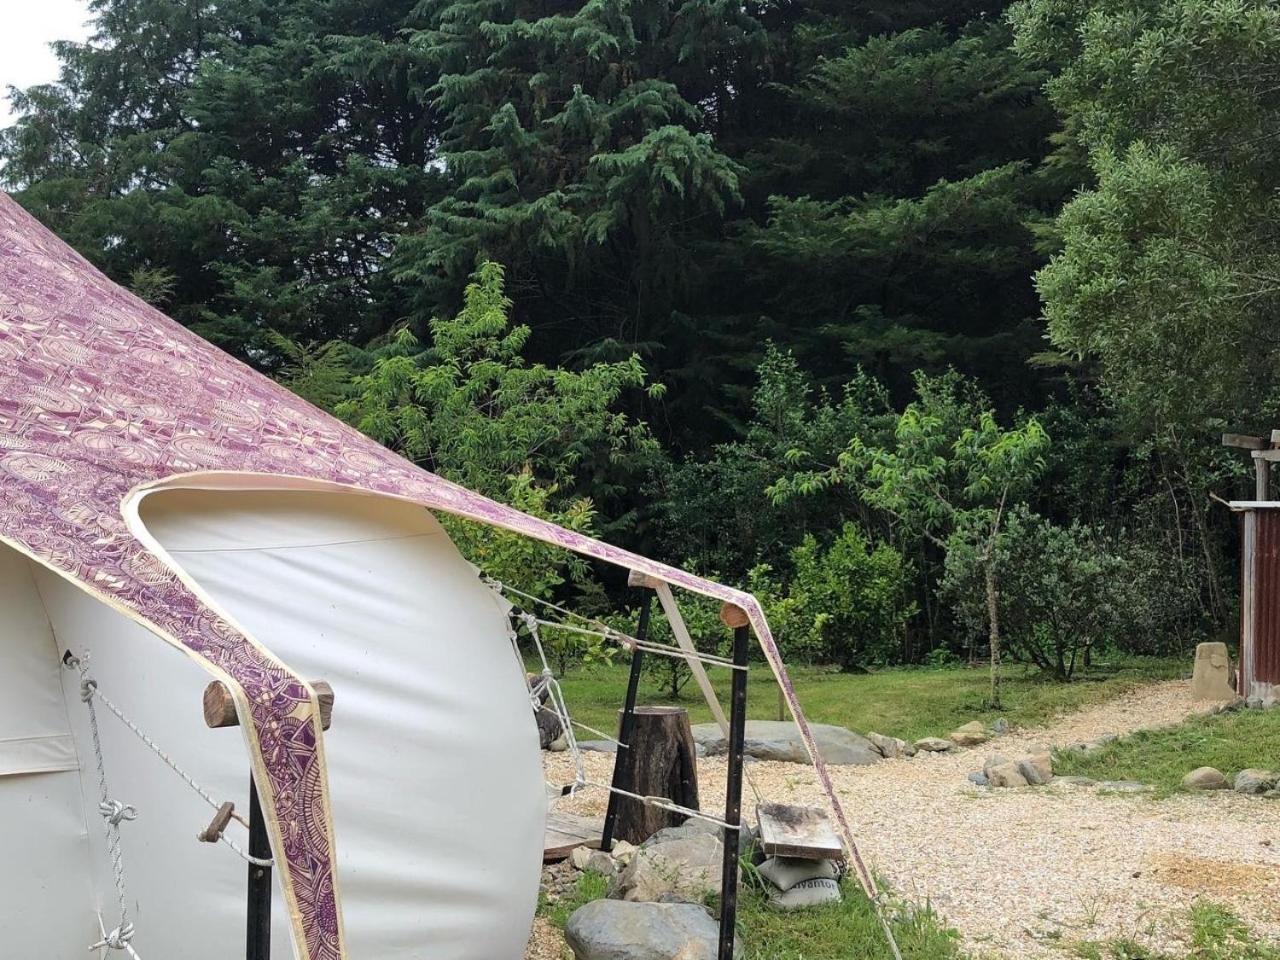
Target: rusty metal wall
1260, 616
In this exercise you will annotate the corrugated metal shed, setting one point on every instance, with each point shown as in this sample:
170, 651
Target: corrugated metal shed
1259, 596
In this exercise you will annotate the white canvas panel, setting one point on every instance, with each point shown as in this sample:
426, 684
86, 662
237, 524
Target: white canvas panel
46, 899
436, 778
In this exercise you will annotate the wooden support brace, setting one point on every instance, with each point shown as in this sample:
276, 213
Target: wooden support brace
1244, 441
220, 706
218, 825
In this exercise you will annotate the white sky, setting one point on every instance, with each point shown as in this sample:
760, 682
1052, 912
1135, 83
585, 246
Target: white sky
29, 26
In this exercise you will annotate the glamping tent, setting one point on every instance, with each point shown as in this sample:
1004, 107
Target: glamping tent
168, 516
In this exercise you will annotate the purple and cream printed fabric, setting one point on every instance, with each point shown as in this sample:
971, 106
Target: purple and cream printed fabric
102, 396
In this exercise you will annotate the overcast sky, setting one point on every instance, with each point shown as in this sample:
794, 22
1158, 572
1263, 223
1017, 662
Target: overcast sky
29, 26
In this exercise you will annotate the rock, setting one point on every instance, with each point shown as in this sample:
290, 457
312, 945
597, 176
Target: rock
559, 745
969, 735
1097, 743
1037, 767
1254, 703
598, 746
779, 740
676, 867
1205, 778
623, 851
1000, 726
1125, 786
1075, 781
549, 727
1005, 774
979, 778
1255, 782
618, 930
807, 893
1211, 677
891, 748
580, 856
603, 864
934, 745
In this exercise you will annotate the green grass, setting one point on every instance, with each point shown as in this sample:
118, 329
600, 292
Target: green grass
901, 702
848, 929
1216, 934
1228, 741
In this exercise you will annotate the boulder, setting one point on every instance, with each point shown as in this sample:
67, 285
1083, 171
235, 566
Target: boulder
672, 866
891, 748
1000, 726
1256, 782
969, 735
618, 930
1074, 781
1211, 676
597, 746
780, 740
1004, 774
1205, 778
603, 864
978, 778
934, 745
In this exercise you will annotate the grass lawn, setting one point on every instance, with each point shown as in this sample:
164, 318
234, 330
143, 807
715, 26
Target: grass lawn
901, 702
1229, 741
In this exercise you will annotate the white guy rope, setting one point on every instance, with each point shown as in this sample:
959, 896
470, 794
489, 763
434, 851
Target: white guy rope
663, 803
82, 663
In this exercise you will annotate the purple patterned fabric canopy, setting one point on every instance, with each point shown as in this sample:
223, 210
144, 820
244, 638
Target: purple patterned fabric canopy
103, 398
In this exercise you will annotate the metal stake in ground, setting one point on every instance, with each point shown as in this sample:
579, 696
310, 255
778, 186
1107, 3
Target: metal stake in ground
736, 618
626, 728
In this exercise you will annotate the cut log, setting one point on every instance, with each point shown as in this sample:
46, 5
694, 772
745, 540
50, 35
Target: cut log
661, 761
220, 706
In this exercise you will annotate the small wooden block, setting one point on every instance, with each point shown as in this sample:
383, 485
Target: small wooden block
637, 579
1244, 441
791, 831
218, 825
220, 706
732, 615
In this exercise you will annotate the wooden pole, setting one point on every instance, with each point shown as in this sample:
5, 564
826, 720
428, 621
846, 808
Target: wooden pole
626, 727
736, 618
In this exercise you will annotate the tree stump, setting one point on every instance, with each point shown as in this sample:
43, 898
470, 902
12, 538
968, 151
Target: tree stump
661, 762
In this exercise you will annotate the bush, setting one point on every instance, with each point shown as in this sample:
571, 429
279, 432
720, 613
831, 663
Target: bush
846, 604
1063, 590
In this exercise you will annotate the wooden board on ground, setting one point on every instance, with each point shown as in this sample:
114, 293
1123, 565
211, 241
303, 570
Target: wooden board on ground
565, 831
791, 831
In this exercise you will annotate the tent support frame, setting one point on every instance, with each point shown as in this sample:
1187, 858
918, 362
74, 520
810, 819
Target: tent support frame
733, 791
258, 907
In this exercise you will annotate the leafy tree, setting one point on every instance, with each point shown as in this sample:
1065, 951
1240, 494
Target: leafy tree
949, 471
471, 409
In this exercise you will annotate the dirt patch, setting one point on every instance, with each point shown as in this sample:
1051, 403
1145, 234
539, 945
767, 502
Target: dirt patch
1219, 878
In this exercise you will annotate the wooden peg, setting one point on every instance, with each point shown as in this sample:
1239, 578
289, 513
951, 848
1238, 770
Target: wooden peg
637, 579
220, 706
218, 825
732, 615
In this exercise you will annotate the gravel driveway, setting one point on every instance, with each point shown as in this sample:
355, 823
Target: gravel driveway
1019, 872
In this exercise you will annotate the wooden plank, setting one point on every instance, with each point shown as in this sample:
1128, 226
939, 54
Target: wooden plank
791, 831
1243, 441
1270, 456
567, 831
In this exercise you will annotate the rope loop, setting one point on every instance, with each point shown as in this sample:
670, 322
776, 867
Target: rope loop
88, 687
115, 812
117, 939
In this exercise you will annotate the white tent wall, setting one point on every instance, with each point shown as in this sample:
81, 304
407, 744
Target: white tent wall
46, 885
437, 789
434, 769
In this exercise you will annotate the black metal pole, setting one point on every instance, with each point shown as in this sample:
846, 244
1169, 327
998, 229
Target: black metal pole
258, 937
733, 795
626, 726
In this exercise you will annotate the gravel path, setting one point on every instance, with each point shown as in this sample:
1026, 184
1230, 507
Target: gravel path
1020, 872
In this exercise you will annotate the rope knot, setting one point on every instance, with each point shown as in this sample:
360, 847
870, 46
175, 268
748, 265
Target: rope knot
88, 687
117, 939
113, 811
